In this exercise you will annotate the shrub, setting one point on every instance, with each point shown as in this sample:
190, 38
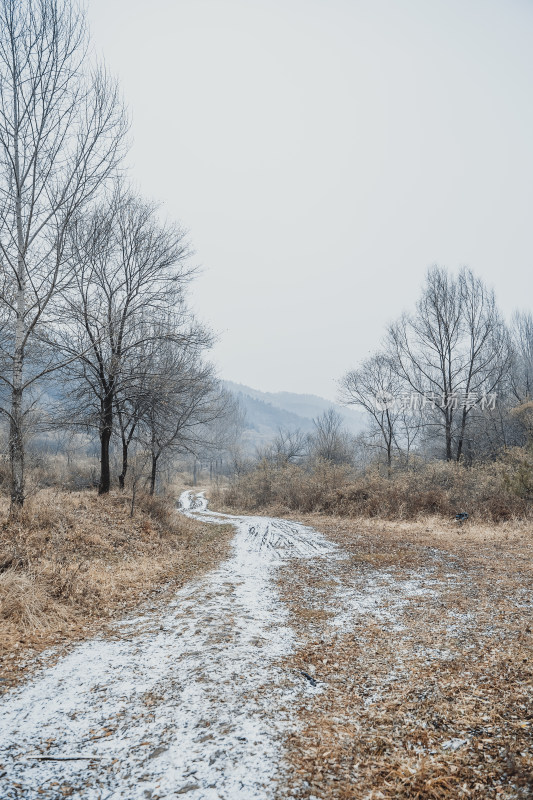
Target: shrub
494, 491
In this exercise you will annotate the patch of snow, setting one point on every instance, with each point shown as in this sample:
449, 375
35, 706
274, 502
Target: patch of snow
454, 744
189, 501
383, 596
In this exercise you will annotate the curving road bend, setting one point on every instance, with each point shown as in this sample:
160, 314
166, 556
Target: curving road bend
184, 699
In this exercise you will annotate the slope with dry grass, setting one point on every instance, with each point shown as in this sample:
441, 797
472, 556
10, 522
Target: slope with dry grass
72, 561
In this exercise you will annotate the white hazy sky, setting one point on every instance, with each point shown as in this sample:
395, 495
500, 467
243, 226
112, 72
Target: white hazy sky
323, 153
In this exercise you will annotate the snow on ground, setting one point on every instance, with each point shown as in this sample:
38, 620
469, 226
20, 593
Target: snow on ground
188, 697
384, 596
184, 699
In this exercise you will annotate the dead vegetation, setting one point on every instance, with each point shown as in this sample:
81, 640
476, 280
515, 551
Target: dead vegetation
428, 698
494, 491
72, 561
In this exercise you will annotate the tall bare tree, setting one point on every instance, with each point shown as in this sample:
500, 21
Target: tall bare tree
521, 374
452, 352
488, 353
152, 365
61, 131
131, 272
184, 402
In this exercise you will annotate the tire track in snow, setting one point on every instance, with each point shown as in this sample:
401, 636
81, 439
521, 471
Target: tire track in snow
184, 699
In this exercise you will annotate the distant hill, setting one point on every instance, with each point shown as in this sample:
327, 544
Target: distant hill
266, 412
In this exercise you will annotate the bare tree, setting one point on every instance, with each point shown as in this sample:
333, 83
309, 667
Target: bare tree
153, 365
130, 404
452, 352
61, 130
522, 367
219, 436
184, 402
329, 440
376, 387
289, 446
487, 347
131, 270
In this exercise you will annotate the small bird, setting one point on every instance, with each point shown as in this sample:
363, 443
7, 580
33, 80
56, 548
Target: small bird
461, 517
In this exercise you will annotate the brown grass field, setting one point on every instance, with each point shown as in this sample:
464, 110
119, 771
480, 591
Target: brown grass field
435, 699
425, 691
74, 561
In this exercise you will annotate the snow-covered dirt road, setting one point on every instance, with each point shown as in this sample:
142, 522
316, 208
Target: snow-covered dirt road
185, 699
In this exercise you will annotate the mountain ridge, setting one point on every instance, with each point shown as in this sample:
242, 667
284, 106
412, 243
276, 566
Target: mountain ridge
266, 412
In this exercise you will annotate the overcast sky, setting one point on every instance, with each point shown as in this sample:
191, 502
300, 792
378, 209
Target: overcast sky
324, 153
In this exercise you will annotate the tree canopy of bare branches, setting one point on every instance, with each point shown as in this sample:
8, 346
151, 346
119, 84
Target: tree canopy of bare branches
125, 300
375, 386
329, 440
62, 129
454, 347
183, 402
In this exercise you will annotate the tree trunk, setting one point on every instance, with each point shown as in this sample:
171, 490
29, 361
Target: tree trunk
16, 440
449, 455
16, 450
122, 476
461, 436
153, 474
133, 493
390, 433
106, 430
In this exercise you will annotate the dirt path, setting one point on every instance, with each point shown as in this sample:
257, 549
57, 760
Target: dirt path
186, 699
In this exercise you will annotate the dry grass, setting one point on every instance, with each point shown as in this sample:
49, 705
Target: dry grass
22, 600
434, 701
496, 492
72, 561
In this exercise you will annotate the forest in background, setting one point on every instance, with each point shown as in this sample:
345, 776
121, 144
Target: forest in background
448, 405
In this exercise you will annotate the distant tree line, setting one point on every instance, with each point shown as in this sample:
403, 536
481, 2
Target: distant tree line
452, 380
329, 440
